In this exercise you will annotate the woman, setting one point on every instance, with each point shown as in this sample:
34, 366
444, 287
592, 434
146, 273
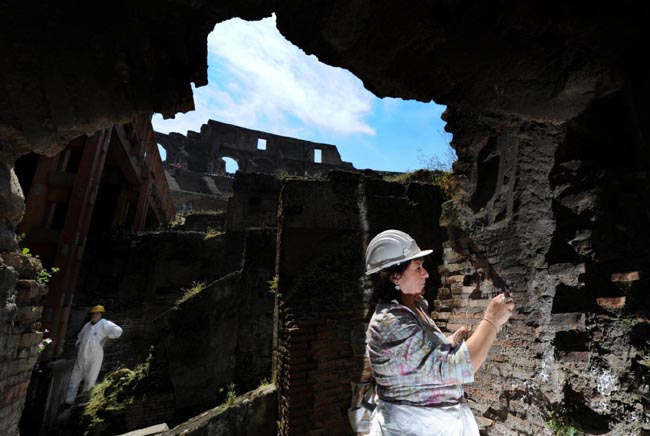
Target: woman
419, 372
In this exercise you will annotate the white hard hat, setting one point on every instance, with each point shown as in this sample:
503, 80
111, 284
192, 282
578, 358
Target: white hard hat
391, 247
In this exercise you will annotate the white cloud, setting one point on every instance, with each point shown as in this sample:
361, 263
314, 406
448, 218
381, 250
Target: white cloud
263, 82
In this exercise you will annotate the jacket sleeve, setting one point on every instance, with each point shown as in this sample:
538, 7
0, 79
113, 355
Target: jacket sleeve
113, 331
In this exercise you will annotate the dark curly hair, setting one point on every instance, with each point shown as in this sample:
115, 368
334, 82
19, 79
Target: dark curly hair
385, 290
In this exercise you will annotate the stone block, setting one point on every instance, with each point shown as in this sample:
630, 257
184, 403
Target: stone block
26, 266
611, 302
29, 339
468, 289
28, 290
455, 279
626, 277
151, 430
12, 202
28, 315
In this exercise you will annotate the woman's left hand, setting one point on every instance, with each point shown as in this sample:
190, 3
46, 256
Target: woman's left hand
456, 337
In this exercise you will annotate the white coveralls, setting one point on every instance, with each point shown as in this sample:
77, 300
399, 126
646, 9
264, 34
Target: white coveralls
90, 342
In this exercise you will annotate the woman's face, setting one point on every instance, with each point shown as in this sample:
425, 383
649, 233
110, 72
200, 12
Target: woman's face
413, 278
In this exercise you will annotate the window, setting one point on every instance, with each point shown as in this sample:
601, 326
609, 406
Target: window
318, 156
261, 144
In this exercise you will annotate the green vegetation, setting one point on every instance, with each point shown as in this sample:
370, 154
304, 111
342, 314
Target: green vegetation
561, 423
627, 323
211, 233
43, 277
191, 292
176, 223
230, 392
434, 177
274, 286
434, 170
116, 392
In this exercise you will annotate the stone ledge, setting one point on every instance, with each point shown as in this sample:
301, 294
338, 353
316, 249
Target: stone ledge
253, 413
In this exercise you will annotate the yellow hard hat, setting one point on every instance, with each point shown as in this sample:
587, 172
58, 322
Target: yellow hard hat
98, 308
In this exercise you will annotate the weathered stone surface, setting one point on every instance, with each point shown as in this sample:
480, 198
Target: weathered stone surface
324, 296
501, 66
18, 340
224, 334
197, 336
626, 277
255, 203
149, 431
27, 266
251, 414
611, 303
205, 221
254, 151
557, 221
520, 206
138, 277
11, 196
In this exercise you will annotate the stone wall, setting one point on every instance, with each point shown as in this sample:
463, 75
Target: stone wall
20, 333
140, 276
223, 335
256, 204
253, 150
324, 298
508, 68
556, 212
251, 414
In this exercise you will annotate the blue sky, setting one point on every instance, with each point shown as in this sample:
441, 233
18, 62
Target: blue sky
259, 80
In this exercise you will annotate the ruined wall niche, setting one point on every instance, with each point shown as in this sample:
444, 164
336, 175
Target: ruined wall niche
487, 174
493, 178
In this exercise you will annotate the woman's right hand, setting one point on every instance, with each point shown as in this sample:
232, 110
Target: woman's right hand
499, 310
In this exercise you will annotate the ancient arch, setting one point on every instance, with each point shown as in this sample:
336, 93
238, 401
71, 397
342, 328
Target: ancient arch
242, 163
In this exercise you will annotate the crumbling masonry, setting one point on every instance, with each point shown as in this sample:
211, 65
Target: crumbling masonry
547, 105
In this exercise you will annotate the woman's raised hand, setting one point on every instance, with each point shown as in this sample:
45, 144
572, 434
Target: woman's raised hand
499, 310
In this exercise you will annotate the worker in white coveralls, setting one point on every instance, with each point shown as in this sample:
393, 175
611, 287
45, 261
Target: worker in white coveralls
90, 342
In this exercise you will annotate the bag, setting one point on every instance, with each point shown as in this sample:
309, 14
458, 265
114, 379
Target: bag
362, 406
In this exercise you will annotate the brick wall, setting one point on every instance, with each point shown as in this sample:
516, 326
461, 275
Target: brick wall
19, 334
324, 299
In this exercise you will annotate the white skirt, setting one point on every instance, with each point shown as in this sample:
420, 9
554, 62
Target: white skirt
401, 420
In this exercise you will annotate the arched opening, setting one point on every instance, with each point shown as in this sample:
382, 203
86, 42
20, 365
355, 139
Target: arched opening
232, 166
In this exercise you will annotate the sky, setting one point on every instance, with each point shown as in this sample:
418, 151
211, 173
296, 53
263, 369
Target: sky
259, 80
